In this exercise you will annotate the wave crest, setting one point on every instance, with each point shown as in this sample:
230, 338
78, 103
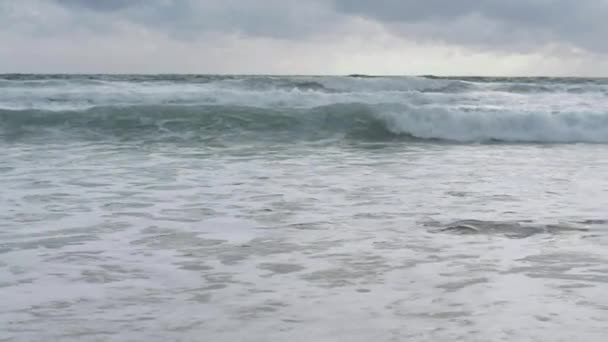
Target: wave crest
354, 121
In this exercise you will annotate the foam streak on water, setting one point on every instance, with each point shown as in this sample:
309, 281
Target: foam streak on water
302, 208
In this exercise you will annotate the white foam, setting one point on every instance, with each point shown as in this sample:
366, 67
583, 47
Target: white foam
229, 229
479, 126
264, 93
246, 91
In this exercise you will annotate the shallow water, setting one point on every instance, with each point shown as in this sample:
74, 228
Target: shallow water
307, 239
302, 242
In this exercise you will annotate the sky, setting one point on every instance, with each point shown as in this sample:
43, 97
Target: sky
387, 37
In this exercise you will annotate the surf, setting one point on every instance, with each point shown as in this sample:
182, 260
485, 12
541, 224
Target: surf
233, 109
353, 121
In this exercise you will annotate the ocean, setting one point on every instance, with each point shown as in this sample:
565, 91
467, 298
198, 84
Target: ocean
301, 208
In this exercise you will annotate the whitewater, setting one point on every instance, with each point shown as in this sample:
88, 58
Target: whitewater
325, 208
461, 110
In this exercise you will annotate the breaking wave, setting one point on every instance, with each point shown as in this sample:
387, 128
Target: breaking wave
249, 108
348, 121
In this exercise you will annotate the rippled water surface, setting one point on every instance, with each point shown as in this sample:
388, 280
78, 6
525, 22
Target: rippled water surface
303, 242
118, 236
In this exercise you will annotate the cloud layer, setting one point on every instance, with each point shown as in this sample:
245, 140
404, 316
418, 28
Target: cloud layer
494, 23
313, 36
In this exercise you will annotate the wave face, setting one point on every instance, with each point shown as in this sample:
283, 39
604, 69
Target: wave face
230, 108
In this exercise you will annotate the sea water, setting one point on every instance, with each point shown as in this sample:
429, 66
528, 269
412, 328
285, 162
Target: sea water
275, 208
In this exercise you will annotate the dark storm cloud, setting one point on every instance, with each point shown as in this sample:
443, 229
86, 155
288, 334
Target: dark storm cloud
498, 23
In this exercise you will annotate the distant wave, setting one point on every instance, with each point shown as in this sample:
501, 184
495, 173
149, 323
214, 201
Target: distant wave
79, 92
354, 121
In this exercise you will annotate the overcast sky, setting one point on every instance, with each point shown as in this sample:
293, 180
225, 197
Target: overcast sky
457, 37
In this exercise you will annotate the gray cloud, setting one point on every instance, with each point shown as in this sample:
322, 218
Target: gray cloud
100, 5
492, 23
503, 29
502, 25
190, 18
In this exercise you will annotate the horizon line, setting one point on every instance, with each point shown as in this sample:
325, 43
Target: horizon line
295, 75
